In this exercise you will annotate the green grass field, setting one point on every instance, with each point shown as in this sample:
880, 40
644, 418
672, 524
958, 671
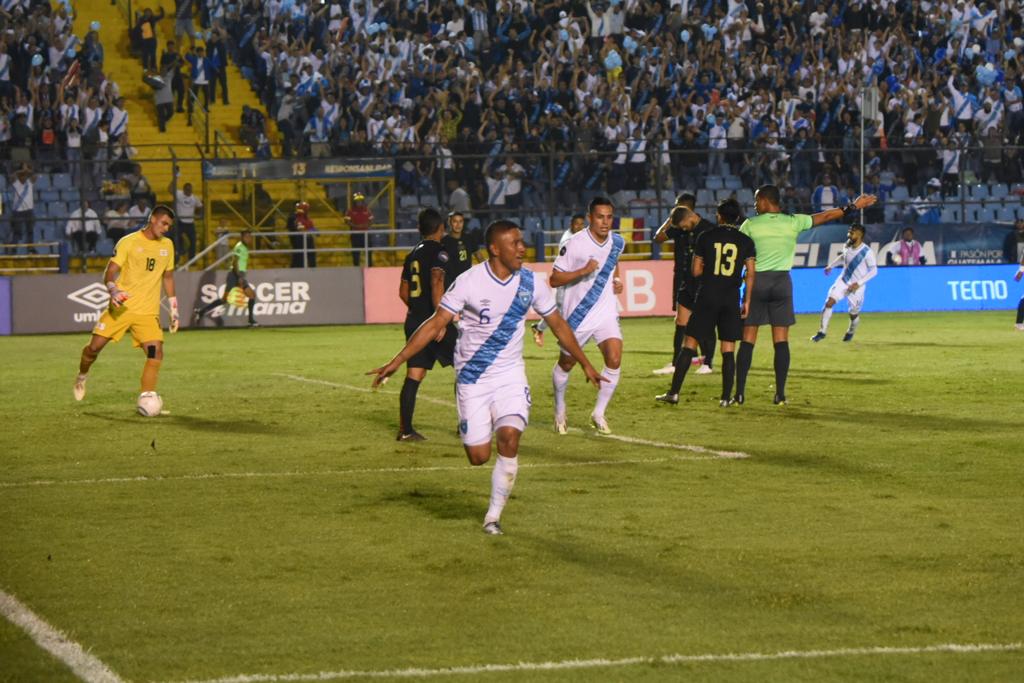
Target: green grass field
270, 525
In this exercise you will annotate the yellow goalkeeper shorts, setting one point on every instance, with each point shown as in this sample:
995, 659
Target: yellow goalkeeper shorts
144, 328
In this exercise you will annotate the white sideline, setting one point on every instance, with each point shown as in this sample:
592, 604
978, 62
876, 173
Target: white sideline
82, 664
956, 648
318, 473
615, 437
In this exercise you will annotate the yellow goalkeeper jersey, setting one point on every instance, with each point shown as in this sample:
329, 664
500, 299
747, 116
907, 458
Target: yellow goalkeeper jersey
143, 263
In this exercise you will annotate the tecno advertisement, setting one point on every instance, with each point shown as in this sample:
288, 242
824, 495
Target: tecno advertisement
646, 290
73, 303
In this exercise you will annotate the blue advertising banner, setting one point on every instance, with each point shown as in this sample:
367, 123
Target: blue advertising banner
5, 306
941, 244
937, 288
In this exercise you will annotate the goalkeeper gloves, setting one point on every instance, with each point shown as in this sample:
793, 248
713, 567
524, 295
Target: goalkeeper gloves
173, 300
117, 295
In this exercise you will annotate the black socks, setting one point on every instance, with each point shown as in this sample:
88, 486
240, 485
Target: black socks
407, 404
743, 361
781, 367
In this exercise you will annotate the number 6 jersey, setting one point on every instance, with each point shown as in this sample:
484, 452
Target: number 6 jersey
490, 345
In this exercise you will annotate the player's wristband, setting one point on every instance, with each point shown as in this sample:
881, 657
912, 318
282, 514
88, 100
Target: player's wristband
173, 301
111, 286
848, 209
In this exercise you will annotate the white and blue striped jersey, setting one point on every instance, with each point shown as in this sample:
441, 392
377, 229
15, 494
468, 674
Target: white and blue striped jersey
591, 297
859, 265
490, 345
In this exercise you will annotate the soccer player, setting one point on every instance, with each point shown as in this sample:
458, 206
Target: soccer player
423, 282
460, 257
588, 267
236, 278
1020, 304
774, 234
723, 260
859, 266
493, 397
576, 224
684, 286
142, 261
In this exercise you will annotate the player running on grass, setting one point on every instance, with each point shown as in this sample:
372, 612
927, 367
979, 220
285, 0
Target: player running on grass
143, 262
588, 266
858, 267
723, 260
492, 394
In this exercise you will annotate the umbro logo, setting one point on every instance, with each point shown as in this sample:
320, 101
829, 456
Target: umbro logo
93, 296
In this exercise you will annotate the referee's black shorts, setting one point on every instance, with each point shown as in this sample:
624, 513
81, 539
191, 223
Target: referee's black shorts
442, 352
772, 300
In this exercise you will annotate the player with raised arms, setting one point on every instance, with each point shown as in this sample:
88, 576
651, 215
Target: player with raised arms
588, 267
774, 234
859, 266
493, 397
142, 262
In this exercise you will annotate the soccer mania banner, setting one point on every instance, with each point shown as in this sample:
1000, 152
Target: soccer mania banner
943, 244
286, 169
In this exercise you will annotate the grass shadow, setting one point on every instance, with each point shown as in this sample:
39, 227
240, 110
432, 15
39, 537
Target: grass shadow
440, 503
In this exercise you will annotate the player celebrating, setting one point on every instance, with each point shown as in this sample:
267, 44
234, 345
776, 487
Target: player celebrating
493, 396
774, 234
236, 278
587, 265
858, 267
576, 224
423, 283
719, 260
684, 286
141, 262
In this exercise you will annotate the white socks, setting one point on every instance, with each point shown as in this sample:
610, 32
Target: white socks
854, 321
560, 381
826, 315
503, 478
607, 390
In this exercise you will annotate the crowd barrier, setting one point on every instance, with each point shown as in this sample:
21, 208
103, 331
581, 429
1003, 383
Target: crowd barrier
337, 296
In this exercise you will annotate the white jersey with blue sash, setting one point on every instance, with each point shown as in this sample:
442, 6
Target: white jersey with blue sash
590, 298
490, 345
859, 265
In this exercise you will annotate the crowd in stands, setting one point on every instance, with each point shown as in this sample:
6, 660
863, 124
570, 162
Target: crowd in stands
624, 92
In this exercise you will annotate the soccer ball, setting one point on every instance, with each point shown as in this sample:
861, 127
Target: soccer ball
149, 404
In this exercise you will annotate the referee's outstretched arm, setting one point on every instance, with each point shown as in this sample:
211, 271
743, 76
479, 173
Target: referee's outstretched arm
830, 215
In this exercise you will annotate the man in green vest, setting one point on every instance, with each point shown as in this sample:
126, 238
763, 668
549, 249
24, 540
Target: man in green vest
774, 234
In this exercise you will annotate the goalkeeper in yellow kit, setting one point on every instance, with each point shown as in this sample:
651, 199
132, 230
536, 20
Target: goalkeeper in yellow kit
142, 261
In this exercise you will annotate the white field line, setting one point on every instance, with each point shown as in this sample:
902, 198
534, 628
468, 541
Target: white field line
84, 665
615, 437
948, 648
324, 473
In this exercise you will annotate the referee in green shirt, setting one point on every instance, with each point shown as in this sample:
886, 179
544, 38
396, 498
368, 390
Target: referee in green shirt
774, 234
236, 278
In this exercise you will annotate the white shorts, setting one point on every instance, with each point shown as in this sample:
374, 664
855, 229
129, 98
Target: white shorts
855, 299
598, 330
485, 407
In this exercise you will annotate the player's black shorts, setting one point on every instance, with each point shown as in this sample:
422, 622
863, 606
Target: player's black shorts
235, 281
685, 295
442, 352
713, 311
772, 300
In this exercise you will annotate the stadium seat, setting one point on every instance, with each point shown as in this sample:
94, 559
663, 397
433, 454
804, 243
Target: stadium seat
745, 196
61, 180
723, 194
986, 214
43, 182
714, 182
733, 183
892, 213
979, 191
1006, 214
999, 191
900, 193
408, 200
950, 214
705, 197
49, 196
650, 195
